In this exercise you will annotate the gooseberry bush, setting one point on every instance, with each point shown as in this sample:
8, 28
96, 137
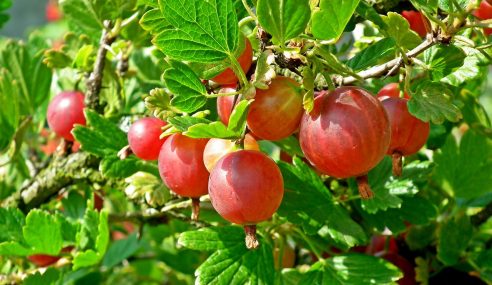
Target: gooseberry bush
248, 142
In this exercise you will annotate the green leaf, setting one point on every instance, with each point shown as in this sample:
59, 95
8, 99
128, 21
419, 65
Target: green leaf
283, 19
74, 205
120, 250
308, 86
449, 5
189, 92
237, 120
182, 123
232, 262
153, 21
415, 210
11, 222
42, 232
50, 277
95, 227
471, 68
386, 189
308, 203
213, 238
113, 166
202, 31
330, 20
85, 259
82, 17
454, 236
212, 130
372, 54
9, 117
352, 269
427, 6
31, 75
464, 169
101, 136
290, 145
475, 115
334, 63
443, 60
432, 102
368, 12
399, 29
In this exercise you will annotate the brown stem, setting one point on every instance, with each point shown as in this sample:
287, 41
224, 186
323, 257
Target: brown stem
94, 82
392, 65
195, 209
364, 188
482, 216
397, 159
251, 241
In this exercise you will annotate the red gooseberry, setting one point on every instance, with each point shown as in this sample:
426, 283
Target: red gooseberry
416, 21
391, 90
181, 168
276, 112
143, 138
217, 148
245, 59
246, 187
64, 111
484, 12
225, 104
408, 133
346, 134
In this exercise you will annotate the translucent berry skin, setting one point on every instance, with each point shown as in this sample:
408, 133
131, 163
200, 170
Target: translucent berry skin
181, 166
484, 12
416, 21
408, 134
391, 90
277, 111
143, 138
346, 134
246, 187
245, 59
217, 148
224, 104
64, 111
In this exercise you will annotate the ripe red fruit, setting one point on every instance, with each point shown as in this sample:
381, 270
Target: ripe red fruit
380, 243
224, 104
405, 266
246, 187
416, 21
484, 12
391, 90
53, 13
346, 134
408, 134
276, 112
217, 148
181, 168
288, 257
64, 111
43, 260
245, 59
98, 201
143, 138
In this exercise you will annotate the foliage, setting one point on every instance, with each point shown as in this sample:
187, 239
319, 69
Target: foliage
160, 62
